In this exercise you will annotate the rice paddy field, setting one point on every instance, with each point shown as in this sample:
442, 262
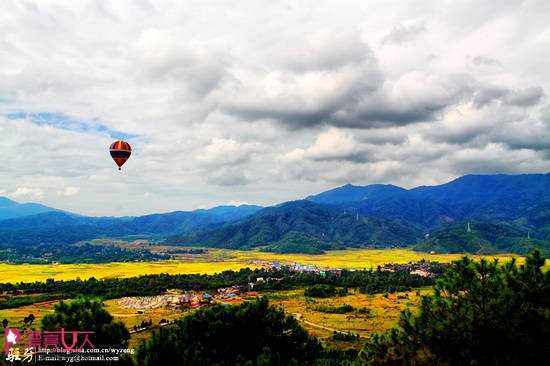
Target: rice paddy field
217, 260
380, 312
128, 316
383, 313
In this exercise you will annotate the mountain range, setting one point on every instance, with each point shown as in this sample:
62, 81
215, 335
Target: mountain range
503, 213
10, 209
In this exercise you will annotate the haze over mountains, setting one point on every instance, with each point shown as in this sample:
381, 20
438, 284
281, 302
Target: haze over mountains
10, 209
506, 212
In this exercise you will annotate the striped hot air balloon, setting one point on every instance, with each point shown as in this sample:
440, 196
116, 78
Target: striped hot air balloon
120, 152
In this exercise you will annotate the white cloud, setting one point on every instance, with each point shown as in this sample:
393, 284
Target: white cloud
333, 144
68, 191
28, 193
236, 203
226, 106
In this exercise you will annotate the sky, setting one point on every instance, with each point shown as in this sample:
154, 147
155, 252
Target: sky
262, 102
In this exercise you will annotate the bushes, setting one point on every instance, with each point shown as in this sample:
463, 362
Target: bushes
363, 311
89, 315
342, 309
252, 333
345, 337
323, 291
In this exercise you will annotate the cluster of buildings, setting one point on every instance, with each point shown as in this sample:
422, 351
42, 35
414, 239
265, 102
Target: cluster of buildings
168, 300
296, 267
421, 268
186, 300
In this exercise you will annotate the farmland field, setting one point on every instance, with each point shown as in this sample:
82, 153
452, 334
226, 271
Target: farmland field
129, 317
383, 313
217, 260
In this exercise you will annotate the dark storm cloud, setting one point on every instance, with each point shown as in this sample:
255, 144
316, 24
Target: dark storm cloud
524, 97
375, 113
485, 96
364, 105
403, 33
484, 60
487, 166
520, 98
386, 113
291, 118
229, 177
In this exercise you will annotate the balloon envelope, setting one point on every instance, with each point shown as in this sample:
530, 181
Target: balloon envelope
120, 152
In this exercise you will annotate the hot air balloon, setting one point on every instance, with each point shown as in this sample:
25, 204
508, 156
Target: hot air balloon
120, 152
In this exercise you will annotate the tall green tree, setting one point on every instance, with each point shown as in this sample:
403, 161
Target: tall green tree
481, 313
253, 333
88, 315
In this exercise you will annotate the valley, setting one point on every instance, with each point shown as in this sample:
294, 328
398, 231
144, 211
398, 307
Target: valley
477, 214
371, 314
218, 260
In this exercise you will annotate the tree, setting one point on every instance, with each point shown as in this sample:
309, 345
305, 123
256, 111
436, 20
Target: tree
480, 313
251, 333
89, 315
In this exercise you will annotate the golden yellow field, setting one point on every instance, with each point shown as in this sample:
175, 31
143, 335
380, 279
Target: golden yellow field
41, 272
384, 312
129, 317
355, 258
217, 260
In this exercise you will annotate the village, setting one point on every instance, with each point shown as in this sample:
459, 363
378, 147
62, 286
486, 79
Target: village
182, 300
421, 268
175, 299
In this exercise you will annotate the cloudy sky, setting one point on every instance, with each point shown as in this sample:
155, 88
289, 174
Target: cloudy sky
265, 101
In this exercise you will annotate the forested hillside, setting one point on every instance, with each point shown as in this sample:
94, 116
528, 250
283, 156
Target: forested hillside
511, 213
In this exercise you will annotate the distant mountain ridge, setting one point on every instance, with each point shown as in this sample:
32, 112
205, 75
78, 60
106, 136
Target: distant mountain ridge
58, 227
523, 197
393, 216
10, 209
349, 216
350, 193
322, 226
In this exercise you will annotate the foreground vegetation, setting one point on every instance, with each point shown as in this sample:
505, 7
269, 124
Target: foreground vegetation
251, 333
480, 313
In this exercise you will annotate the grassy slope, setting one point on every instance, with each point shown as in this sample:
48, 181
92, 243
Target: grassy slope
384, 314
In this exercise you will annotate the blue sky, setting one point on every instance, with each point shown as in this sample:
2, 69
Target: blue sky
62, 121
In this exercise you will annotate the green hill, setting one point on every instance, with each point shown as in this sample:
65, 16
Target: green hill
295, 225
483, 238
